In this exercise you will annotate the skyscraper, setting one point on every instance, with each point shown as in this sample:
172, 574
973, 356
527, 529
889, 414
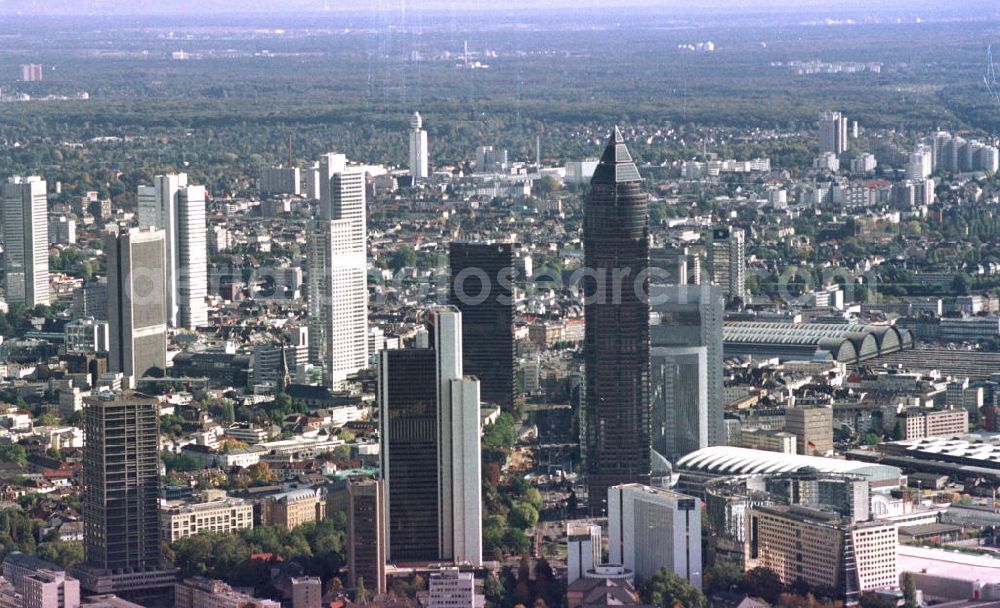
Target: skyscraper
482, 288
366, 534
121, 475
179, 209
338, 288
616, 346
137, 302
431, 449
418, 148
687, 367
24, 221
831, 131
727, 262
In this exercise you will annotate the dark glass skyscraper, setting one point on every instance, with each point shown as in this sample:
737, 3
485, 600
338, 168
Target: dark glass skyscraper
616, 347
482, 288
410, 443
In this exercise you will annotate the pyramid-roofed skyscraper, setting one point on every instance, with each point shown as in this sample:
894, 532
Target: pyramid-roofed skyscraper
616, 347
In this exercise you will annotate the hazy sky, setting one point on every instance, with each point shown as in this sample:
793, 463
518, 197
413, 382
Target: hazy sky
174, 6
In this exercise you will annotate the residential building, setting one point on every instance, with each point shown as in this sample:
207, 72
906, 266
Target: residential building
121, 474
822, 549
338, 288
482, 288
727, 264
653, 528
137, 303
418, 149
618, 425
24, 225
430, 452
832, 133
366, 547
178, 209
178, 520
812, 427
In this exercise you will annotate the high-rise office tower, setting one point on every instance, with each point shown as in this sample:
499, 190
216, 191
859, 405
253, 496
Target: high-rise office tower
121, 475
616, 346
366, 534
653, 528
583, 548
831, 131
418, 148
338, 288
482, 288
137, 302
687, 367
24, 222
431, 448
727, 262
178, 209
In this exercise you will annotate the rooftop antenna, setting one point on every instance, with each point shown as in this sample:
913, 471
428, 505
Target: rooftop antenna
289, 149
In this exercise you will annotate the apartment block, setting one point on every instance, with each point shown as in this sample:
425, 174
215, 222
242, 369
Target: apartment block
184, 519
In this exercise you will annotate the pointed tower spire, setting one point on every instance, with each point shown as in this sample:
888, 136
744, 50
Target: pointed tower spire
616, 165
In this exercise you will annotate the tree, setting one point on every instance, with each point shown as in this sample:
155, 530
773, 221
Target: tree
12, 452
361, 595
762, 582
493, 590
522, 515
910, 590
665, 589
723, 577
66, 554
404, 257
870, 599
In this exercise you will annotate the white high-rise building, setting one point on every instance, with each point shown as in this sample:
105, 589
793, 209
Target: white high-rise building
583, 549
24, 222
727, 262
652, 528
338, 288
418, 148
832, 133
172, 205
921, 163
459, 448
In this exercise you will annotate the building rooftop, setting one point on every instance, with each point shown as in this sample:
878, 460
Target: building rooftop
948, 564
727, 460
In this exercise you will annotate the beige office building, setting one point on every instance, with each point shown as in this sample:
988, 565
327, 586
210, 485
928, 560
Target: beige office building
292, 509
813, 429
199, 592
821, 549
180, 520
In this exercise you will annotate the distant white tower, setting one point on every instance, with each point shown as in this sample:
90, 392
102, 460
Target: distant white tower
338, 288
418, 148
179, 209
24, 214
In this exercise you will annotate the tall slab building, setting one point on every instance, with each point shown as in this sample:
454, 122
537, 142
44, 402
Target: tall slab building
687, 367
137, 302
338, 287
482, 288
121, 517
430, 452
178, 209
24, 216
616, 311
